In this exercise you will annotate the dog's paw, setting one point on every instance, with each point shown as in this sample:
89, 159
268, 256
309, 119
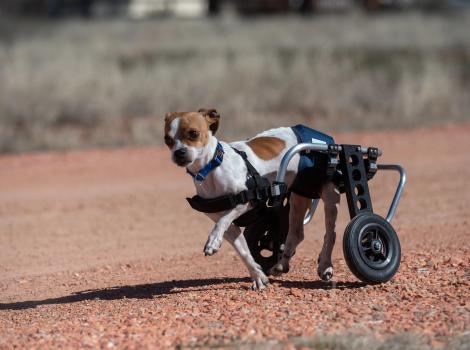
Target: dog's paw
260, 282
211, 247
279, 269
208, 250
325, 274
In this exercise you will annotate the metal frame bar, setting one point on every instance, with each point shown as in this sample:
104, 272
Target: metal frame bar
323, 148
354, 174
400, 187
281, 174
312, 210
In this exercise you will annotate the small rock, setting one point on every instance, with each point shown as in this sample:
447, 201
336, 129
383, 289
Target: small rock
296, 293
377, 307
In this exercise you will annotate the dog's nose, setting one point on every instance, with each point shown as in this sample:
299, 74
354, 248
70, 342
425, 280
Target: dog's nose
180, 153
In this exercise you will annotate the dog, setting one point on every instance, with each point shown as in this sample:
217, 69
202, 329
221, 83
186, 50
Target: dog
190, 136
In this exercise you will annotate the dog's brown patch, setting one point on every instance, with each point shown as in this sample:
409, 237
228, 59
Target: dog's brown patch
190, 124
267, 147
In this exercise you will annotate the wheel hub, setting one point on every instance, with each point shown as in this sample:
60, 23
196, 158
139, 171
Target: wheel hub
376, 246
373, 246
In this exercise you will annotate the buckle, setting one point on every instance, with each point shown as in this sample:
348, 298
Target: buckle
278, 189
276, 194
199, 177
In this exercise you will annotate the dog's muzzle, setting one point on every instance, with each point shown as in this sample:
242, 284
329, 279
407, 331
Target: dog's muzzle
180, 156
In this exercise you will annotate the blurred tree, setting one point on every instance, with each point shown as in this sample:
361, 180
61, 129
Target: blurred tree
214, 7
52, 8
60, 7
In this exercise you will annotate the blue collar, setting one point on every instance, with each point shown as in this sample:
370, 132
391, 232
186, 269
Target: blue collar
214, 163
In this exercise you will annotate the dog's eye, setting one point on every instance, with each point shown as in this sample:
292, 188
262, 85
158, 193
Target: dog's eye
169, 141
193, 134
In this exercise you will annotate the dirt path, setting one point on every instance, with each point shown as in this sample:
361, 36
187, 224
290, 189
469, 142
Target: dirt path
99, 248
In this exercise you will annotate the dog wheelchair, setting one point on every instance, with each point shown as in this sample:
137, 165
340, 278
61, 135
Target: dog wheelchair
370, 244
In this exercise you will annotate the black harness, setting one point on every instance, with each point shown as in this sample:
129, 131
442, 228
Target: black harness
313, 172
259, 193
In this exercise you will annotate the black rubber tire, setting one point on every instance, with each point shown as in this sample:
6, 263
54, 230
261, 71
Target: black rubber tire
365, 263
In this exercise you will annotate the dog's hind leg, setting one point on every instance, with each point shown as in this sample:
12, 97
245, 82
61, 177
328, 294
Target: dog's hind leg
298, 208
236, 238
331, 198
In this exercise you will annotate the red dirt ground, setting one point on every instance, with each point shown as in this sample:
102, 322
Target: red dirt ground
100, 249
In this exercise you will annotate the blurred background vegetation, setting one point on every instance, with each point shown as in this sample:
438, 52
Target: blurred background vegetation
79, 74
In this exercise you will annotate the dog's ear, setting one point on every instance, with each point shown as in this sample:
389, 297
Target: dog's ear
212, 118
168, 117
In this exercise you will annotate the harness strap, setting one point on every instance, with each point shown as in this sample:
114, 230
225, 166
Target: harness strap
261, 185
222, 203
260, 193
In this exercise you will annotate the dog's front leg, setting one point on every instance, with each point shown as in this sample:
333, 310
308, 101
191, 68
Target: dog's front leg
214, 241
236, 238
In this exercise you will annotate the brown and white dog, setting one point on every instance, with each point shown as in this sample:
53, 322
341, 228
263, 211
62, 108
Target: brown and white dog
190, 138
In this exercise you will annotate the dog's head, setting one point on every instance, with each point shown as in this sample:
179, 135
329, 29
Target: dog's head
187, 134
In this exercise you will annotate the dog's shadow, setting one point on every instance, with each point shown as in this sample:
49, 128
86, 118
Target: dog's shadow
160, 289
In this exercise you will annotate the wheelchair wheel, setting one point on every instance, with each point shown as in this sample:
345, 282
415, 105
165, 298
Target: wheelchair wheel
371, 248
